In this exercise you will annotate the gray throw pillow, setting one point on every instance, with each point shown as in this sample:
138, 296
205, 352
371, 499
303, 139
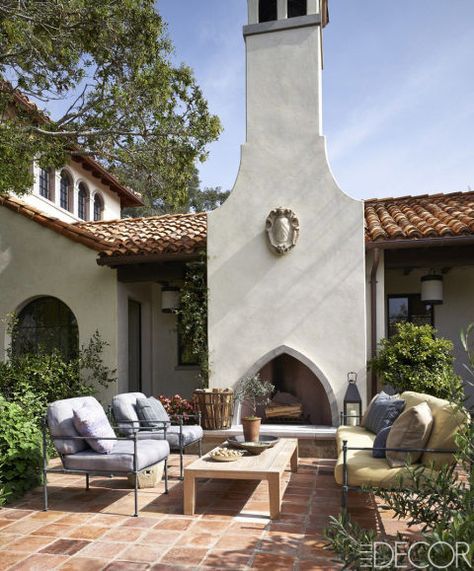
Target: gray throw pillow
383, 413
381, 442
151, 413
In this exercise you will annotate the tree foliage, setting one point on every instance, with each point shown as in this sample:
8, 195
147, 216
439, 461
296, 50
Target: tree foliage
414, 359
117, 95
158, 200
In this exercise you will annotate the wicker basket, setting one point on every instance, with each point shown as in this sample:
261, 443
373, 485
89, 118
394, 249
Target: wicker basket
216, 406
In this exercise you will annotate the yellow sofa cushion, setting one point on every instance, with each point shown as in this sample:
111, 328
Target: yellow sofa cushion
446, 423
355, 435
365, 470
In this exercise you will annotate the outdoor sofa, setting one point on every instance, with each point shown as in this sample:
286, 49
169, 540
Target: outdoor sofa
357, 468
127, 455
178, 435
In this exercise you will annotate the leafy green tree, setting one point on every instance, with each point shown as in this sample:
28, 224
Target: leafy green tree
117, 96
159, 199
414, 359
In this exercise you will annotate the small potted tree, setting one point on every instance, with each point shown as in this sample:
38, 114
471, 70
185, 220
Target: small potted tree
253, 391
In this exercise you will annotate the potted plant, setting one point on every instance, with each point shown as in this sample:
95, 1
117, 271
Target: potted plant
253, 391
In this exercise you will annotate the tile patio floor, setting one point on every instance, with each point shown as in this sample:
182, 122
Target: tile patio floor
231, 530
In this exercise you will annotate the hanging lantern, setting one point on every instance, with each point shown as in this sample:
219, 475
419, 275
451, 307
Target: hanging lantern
169, 299
432, 289
352, 402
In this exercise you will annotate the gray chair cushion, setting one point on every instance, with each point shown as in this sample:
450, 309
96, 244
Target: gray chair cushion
60, 422
124, 409
191, 434
150, 410
149, 452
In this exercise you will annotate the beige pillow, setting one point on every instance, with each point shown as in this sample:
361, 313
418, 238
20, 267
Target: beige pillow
412, 429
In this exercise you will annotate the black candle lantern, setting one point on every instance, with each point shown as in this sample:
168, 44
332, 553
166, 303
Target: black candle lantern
352, 402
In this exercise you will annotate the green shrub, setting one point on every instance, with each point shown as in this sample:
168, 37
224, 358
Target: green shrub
34, 380
20, 451
415, 360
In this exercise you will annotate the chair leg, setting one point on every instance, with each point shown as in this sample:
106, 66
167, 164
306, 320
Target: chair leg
45, 466
181, 462
135, 514
200, 448
166, 476
88, 483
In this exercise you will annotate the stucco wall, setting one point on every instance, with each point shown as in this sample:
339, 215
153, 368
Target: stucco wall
312, 299
78, 174
35, 261
456, 312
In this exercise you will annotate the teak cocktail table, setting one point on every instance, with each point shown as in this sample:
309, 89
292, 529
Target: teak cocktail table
269, 465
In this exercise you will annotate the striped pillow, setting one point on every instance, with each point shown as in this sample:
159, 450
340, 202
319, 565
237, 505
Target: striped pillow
151, 413
383, 413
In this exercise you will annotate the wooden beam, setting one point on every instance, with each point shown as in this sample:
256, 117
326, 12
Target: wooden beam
139, 273
441, 257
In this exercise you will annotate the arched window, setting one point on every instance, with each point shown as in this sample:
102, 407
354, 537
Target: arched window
44, 325
82, 201
297, 8
45, 183
98, 207
65, 191
267, 11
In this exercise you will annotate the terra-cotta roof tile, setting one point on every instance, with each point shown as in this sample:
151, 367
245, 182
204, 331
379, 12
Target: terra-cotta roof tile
419, 217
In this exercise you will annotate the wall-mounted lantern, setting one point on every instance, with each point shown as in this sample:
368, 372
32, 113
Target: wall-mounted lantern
432, 289
352, 402
169, 299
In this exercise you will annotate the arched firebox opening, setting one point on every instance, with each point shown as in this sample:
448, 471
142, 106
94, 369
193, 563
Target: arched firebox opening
303, 392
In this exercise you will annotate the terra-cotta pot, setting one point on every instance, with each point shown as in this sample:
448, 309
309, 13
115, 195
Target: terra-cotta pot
251, 426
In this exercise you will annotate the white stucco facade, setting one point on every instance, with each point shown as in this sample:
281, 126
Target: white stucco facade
311, 300
35, 262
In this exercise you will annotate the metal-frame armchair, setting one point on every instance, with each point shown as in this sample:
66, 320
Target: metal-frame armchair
178, 434
78, 458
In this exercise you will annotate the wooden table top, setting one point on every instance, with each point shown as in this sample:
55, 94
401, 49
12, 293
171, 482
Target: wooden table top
272, 460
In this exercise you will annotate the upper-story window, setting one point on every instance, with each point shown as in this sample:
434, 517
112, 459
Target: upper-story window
98, 207
82, 201
297, 8
65, 191
267, 10
45, 183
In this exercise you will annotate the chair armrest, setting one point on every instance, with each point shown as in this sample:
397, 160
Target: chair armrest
431, 450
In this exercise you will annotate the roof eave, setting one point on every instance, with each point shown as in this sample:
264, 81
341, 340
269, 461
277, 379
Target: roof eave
420, 242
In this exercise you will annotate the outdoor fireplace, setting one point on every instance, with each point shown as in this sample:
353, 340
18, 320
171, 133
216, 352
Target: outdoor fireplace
297, 389
286, 254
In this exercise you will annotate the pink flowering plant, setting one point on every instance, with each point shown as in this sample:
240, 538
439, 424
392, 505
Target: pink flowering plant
177, 405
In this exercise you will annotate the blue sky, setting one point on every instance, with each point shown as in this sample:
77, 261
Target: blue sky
398, 90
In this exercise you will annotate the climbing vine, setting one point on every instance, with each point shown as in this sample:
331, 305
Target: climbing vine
192, 316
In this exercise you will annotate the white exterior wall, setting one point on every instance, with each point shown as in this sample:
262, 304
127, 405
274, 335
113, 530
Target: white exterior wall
35, 261
161, 373
111, 200
456, 312
312, 299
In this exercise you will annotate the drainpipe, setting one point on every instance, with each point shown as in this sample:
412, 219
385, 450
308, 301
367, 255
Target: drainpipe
373, 316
